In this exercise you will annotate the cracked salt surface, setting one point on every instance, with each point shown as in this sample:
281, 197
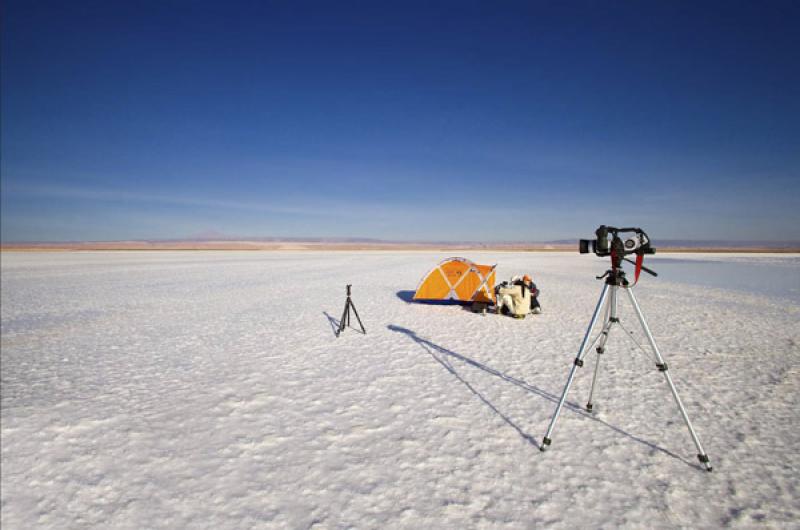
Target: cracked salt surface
207, 389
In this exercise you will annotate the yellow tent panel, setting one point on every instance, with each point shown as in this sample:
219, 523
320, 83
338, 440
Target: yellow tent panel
458, 279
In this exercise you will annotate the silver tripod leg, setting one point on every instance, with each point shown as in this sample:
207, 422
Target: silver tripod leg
610, 319
578, 362
662, 366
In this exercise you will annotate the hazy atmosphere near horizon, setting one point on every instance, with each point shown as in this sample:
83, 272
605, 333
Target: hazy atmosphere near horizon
525, 121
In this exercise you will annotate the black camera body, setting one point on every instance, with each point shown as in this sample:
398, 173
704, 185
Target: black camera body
623, 241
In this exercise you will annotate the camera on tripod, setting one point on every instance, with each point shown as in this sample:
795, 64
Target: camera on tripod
617, 243
623, 241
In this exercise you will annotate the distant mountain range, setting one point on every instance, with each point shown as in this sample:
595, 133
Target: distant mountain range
216, 241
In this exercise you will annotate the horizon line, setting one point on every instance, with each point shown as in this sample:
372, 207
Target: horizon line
262, 242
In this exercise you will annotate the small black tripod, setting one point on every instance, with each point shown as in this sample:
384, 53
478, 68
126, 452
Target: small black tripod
345, 321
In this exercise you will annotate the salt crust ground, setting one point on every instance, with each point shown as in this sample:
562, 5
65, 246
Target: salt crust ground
207, 390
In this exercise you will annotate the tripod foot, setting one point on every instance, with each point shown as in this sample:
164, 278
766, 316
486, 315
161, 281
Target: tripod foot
588, 407
545, 442
704, 460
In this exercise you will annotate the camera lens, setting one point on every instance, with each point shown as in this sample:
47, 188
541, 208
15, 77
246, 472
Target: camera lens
602, 240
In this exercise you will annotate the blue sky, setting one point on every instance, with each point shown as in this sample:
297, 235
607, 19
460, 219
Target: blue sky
431, 121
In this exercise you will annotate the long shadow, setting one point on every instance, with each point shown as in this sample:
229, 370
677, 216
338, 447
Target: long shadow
430, 347
333, 322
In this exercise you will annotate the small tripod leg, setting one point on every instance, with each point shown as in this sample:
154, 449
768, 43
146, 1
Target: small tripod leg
578, 362
364, 331
610, 318
662, 366
345, 317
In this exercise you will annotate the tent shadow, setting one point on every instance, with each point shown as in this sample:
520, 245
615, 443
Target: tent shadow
408, 297
430, 348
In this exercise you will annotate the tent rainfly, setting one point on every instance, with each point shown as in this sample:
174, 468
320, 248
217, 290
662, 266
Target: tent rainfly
458, 279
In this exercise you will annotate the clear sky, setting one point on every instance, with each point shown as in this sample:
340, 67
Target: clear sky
433, 121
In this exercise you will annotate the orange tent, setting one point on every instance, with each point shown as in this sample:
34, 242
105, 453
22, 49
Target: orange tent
458, 279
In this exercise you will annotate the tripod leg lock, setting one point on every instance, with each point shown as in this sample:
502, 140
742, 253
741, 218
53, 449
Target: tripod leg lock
600, 350
662, 367
578, 362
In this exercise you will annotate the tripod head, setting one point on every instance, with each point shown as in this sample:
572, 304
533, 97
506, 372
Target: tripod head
616, 243
349, 285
